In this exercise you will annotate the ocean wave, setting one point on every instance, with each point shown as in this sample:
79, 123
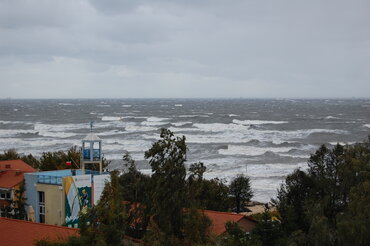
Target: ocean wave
367, 125
193, 116
233, 115
257, 122
111, 118
126, 106
251, 150
331, 117
181, 123
137, 128
233, 133
13, 132
156, 119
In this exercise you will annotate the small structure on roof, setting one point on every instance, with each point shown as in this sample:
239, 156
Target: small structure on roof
91, 152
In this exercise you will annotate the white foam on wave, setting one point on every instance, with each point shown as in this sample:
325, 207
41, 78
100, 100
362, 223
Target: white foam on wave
59, 127
156, 119
66, 104
57, 134
178, 105
257, 122
331, 117
233, 115
6, 122
233, 133
126, 106
129, 145
138, 128
13, 132
111, 118
149, 123
103, 106
265, 178
192, 115
251, 150
181, 123
367, 125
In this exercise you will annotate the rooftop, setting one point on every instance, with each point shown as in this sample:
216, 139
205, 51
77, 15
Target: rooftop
16, 165
91, 137
219, 219
9, 179
24, 233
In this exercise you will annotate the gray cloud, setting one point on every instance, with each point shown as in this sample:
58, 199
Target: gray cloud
165, 48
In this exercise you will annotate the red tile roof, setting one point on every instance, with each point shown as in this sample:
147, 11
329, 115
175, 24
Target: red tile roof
25, 233
11, 172
9, 179
16, 165
219, 219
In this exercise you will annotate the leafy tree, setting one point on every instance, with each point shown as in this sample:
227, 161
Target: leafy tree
328, 205
167, 157
104, 224
240, 191
196, 227
235, 236
19, 202
268, 231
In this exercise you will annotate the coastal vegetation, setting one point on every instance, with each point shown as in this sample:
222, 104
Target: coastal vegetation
327, 204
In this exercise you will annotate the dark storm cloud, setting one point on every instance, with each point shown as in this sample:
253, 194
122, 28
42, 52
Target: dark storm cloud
164, 48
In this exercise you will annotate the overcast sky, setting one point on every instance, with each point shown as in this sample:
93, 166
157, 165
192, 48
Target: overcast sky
184, 48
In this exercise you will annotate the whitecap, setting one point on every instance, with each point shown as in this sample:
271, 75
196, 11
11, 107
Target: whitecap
331, 117
257, 122
367, 125
156, 119
181, 123
233, 115
178, 105
111, 118
126, 106
251, 150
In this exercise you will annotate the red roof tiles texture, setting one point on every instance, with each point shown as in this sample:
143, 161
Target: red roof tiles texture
16, 165
11, 172
25, 233
219, 219
9, 179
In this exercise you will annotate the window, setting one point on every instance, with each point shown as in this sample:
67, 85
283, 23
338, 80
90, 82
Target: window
5, 194
41, 207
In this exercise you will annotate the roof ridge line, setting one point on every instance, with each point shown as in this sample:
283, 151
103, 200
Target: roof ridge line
42, 224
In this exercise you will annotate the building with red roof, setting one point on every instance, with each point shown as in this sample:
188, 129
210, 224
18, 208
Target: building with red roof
16, 165
11, 177
219, 220
25, 233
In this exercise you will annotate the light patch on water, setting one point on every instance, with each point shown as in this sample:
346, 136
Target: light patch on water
257, 122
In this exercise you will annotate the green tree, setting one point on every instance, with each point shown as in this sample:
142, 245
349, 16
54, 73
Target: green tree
104, 224
240, 191
196, 227
167, 157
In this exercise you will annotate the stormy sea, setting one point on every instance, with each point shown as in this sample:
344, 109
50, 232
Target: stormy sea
265, 139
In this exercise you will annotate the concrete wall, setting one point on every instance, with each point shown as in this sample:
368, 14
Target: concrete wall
54, 203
